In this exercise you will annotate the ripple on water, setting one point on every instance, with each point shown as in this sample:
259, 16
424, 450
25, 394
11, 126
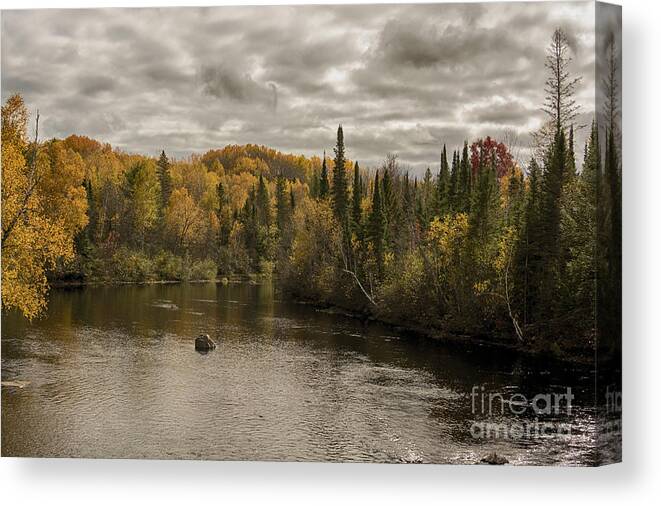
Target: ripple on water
109, 379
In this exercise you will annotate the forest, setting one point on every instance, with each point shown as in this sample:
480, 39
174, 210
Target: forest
480, 246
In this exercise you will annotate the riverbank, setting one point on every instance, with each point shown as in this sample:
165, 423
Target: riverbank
561, 349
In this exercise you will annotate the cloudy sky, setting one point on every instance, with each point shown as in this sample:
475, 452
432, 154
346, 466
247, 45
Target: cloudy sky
400, 78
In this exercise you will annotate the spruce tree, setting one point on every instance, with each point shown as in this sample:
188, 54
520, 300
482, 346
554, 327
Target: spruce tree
571, 155
484, 203
528, 258
165, 180
442, 186
453, 196
357, 198
377, 227
340, 191
323, 180
464, 183
549, 218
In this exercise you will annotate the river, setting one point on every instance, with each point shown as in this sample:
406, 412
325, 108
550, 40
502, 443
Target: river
112, 372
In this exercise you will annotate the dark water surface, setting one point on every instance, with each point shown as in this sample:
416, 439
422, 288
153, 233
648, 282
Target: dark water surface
112, 372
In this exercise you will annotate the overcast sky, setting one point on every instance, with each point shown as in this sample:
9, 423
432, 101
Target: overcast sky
400, 78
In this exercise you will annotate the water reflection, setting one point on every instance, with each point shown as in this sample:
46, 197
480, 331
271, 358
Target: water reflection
113, 373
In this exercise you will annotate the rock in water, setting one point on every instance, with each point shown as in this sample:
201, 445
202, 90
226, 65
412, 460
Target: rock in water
494, 459
204, 343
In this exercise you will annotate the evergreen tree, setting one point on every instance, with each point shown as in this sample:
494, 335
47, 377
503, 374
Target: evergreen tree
324, 185
611, 278
464, 183
549, 221
453, 190
528, 257
165, 180
340, 190
377, 227
560, 86
251, 228
571, 155
591, 172
442, 186
484, 203
357, 198
515, 198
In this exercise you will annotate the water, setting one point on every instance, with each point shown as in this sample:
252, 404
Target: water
112, 372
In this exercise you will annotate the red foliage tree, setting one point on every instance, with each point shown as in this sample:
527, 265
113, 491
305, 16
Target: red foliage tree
488, 149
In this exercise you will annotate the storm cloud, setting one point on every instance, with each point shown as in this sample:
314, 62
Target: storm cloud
400, 78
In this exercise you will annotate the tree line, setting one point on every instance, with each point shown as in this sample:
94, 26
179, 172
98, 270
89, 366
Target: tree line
481, 247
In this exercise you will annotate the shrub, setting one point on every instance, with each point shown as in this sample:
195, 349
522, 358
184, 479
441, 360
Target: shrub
203, 270
168, 267
131, 266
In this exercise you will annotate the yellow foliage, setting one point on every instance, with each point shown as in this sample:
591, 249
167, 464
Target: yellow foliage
43, 206
183, 218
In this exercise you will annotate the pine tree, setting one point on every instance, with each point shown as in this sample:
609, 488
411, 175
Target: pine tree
377, 227
515, 198
453, 190
357, 198
464, 183
528, 258
560, 87
591, 172
165, 180
484, 203
250, 222
324, 185
571, 155
549, 219
442, 186
340, 191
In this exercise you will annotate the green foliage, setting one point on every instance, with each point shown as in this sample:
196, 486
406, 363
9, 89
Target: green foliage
165, 180
203, 270
324, 185
340, 191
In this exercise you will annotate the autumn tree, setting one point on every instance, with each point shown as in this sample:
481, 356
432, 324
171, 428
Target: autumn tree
43, 207
141, 192
183, 219
490, 149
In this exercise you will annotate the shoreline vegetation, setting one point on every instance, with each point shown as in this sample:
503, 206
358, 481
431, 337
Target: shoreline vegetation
524, 254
